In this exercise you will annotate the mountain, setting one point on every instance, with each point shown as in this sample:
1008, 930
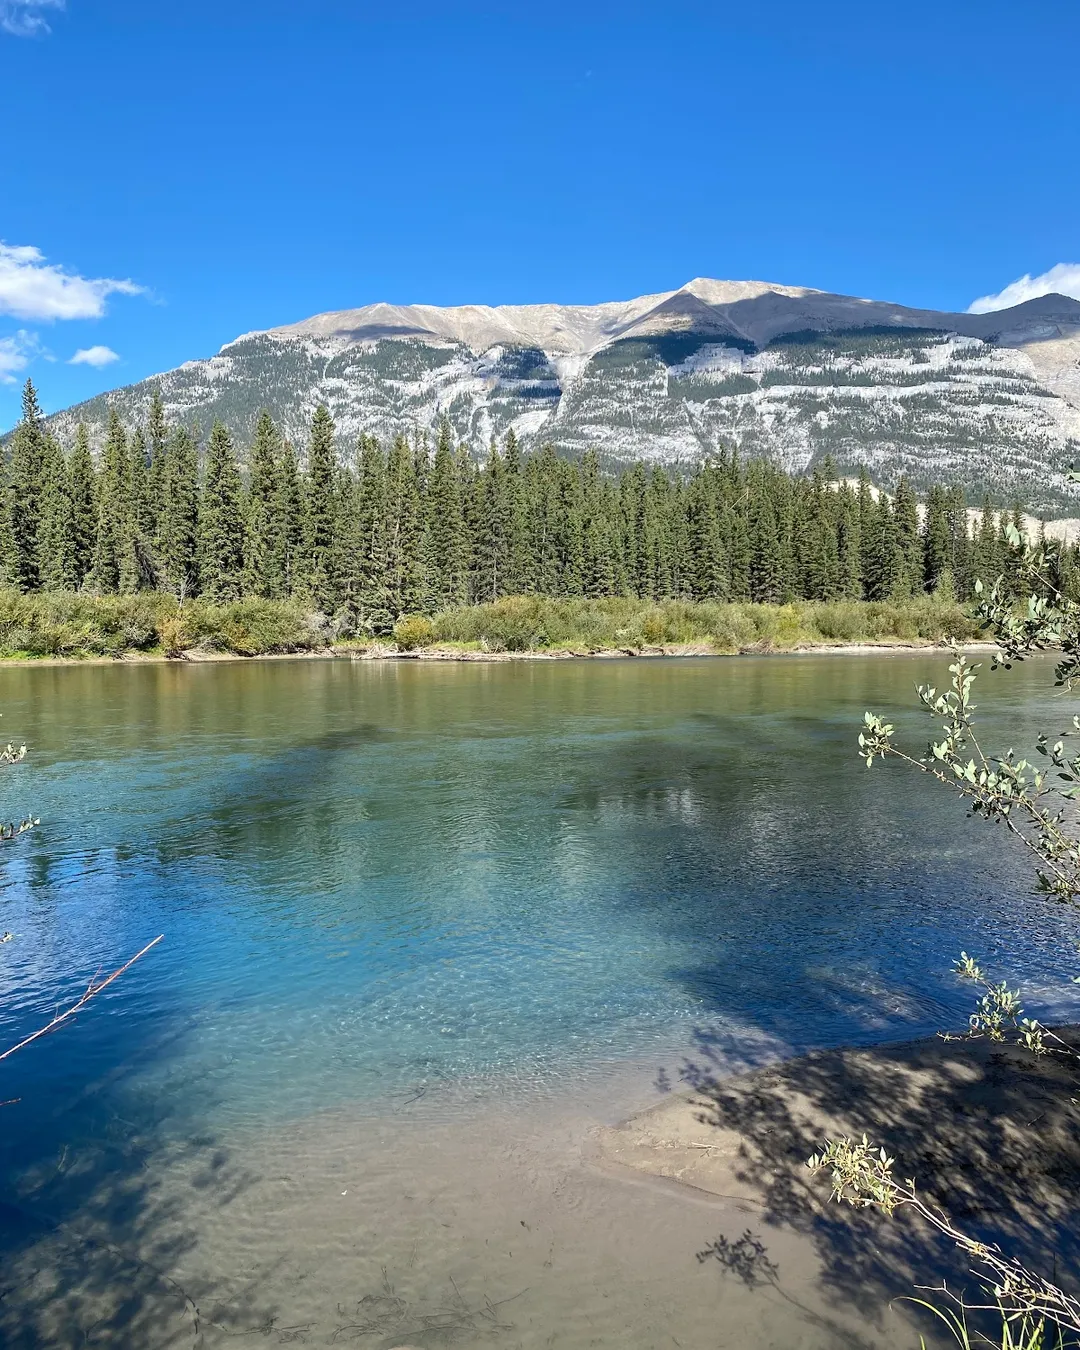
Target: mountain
991, 401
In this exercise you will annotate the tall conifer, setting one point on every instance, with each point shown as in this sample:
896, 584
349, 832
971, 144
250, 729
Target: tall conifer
265, 533
84, 511
221, 522
320, 513
26, 487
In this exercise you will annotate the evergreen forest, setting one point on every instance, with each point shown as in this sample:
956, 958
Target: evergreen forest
413, 528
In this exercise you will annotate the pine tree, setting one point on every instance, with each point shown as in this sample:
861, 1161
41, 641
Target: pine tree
491, 552
84, 511
708, 579
910, 566
986, 560
445, 524
320, 514
177, 539
658, 538
848, 545
26, 486
115, 567
264, 523
937, 539
291, 512
372, 604
56, 541
405, 580
221, 521
518, 562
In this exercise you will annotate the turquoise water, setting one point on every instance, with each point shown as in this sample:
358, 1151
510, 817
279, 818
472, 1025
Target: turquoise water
378, 878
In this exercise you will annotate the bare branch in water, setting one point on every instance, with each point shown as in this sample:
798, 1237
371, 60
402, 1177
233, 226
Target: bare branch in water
93, 988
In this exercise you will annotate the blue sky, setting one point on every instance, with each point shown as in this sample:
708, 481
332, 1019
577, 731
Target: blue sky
193, 171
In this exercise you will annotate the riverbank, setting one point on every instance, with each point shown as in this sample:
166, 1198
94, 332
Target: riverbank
988, 1132
157, 627
464, 1221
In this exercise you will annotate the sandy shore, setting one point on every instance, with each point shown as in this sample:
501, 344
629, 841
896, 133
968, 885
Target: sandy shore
694, 1224
990, 1133
379, 652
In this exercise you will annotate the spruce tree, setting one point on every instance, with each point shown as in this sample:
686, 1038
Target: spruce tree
373, 611
84, 512
9, 558
221, 521
56, 534
448, 547
177, 538
544, 512
766, 576
658, 544
709, 579
518, 561
115, 567
26, 487
986, 557
406, 583
291, 513
937, 539
320, 514
632, 488
265, 534
910, 566
848, 545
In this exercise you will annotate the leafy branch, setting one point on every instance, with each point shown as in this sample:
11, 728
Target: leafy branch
862, 1176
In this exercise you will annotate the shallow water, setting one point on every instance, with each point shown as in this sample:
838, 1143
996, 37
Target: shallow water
458, 898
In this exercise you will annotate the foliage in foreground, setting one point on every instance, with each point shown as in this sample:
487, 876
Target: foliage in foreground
1033, 800
76, 624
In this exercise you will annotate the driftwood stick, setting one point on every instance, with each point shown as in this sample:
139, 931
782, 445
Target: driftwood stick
94, 987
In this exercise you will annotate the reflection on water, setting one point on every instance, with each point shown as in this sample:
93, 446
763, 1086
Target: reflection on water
374, 876
385, 884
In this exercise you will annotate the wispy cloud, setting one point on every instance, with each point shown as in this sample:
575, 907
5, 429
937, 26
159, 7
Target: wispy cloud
27, 18
1062, 278
16, 353
94, 356
31, 288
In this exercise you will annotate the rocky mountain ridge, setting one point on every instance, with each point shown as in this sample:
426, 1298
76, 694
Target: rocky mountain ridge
988, 400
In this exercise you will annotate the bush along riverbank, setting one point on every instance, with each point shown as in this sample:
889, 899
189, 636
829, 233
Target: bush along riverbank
72, 626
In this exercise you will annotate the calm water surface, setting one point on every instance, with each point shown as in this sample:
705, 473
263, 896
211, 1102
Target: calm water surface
396, 887
376, 877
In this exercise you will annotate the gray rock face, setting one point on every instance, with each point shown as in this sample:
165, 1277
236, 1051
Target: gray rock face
991, 401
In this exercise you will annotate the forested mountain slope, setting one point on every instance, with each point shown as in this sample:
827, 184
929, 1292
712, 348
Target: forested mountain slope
989, 401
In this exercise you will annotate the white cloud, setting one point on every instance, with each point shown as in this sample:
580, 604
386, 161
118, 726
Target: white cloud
1063, 278
16, 353
23, 18
31, 288
94, 356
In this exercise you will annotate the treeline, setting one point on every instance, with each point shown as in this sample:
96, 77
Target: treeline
409, 529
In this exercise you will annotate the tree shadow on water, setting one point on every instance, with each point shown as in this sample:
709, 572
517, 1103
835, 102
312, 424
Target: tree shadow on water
100, 1216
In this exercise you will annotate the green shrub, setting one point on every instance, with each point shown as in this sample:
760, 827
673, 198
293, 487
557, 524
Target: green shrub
247, 627
414, 630
44, 624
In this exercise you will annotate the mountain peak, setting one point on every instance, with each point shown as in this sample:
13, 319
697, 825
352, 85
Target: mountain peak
990, 401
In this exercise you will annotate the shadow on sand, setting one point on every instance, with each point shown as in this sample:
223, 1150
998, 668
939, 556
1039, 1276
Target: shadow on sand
990, 1133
